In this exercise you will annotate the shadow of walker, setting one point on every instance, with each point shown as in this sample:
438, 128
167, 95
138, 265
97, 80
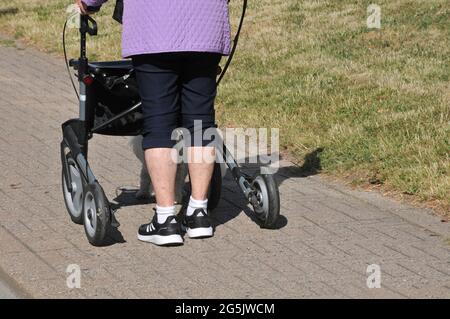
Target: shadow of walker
311, 166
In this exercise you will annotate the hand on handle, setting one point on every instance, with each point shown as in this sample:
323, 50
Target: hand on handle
86, 10
82, 6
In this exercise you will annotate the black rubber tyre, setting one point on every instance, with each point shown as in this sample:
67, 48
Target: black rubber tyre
96, 214
215, 189
73, 200
268, 208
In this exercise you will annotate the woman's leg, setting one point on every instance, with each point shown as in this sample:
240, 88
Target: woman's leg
157, 76
198, 93
158, 80
201, 170
197, 104
162, 171
197, 107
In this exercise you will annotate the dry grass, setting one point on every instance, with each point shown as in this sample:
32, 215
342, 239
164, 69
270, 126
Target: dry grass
377, 102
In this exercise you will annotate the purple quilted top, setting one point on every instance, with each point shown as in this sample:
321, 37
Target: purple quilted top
156, 26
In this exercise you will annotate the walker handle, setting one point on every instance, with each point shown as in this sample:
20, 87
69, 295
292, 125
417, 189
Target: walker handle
92, 9
88, 25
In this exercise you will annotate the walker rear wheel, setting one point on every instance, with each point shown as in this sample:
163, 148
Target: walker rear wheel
96, 214
73, 199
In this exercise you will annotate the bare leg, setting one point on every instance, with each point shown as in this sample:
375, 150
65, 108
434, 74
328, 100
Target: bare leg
201, 167
162, 169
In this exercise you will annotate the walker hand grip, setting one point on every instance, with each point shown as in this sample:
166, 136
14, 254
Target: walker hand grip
92, 9
118, 11
88, 25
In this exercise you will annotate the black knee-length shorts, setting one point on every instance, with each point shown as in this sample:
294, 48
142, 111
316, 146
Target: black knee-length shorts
176, 89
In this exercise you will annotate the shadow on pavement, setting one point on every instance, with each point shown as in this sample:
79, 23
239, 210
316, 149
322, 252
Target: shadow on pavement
311, 166
127, 197
114, 236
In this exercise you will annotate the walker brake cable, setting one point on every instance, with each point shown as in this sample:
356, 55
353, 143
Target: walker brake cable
235, 42
65, 55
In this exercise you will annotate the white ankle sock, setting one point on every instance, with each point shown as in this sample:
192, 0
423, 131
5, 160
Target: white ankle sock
163, 212
194, 204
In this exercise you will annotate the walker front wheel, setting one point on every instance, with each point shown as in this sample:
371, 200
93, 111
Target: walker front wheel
265, 200
96, 214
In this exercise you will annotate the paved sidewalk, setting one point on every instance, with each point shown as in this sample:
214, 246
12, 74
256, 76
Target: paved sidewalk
328, 234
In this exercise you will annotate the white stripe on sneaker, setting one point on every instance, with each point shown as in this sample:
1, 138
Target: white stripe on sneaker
161, 240
199, 232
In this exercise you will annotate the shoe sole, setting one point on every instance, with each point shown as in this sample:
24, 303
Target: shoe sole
162, 240
199, 232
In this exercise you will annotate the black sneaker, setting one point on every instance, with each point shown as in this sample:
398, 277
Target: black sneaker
166, 234
198, 225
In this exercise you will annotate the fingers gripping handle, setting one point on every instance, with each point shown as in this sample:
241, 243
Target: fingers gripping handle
93, 9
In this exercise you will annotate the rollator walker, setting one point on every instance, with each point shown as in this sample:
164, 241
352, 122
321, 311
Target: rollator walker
109, 104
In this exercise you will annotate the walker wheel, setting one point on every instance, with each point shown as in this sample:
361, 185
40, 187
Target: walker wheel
96, 214
73, 199
266, 200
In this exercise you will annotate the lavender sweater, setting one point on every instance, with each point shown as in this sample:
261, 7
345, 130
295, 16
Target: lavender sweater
156, 26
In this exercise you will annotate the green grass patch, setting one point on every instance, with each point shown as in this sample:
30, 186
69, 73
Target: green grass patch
7, 43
